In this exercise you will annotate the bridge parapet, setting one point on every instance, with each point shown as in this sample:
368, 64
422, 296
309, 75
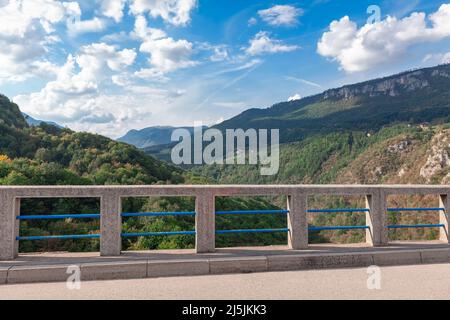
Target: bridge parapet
205, 230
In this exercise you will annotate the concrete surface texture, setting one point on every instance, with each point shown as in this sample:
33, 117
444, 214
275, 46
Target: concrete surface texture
51, 267
399, 282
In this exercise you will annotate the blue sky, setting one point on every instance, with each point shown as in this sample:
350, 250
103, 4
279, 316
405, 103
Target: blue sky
108, 66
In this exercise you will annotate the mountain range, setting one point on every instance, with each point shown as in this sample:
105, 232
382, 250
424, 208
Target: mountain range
151, 136
389, 130
414, 97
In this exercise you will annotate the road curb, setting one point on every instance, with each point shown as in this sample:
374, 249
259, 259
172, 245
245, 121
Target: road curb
147, 268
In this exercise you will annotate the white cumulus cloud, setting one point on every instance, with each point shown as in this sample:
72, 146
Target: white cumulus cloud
166, 54
295, 97
75, 93
281, 15
76, 26
113, 9
176, 12
26, 32
262, 43
144, 32
360, 49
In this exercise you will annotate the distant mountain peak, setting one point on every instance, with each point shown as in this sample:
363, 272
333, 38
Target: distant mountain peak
36, 123
151, 136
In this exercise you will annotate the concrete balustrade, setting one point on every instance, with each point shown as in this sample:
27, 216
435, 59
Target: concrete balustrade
444, 217
110, 224
297, 204
8, 225
205, 222
376, 219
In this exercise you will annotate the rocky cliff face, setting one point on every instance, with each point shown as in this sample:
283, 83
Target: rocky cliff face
438, 159
404, 160
391, 86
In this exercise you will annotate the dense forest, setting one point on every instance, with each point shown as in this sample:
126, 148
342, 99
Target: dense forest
399, 154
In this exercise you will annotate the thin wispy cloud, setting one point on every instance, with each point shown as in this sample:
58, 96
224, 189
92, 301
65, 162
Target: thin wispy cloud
227, 85
248, 65
299, 80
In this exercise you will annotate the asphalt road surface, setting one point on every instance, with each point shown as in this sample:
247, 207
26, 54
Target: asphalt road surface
400, 282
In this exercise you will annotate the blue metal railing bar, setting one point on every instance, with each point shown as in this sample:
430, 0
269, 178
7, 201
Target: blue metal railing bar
252, 231
97, 215
153, 234
412, 226
350, 210
61, 237
59, 216
414, 209
236, 212
338, 228
252, 212
157, 214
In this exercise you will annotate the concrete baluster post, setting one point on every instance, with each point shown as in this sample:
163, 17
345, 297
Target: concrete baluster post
110, 225
8, 226
376, 219
444, 217
297, 204
205, 222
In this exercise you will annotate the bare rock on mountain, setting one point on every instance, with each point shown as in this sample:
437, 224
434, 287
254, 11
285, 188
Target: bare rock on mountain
438, 157
392, 87
440, 73
446, 179
399, 147
401, 172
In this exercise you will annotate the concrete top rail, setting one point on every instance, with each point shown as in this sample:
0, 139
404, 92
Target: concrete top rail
205, 228
217, 190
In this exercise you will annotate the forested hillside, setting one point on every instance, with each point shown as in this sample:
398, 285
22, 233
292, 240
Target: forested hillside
383, 131
48, 155
402, 154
